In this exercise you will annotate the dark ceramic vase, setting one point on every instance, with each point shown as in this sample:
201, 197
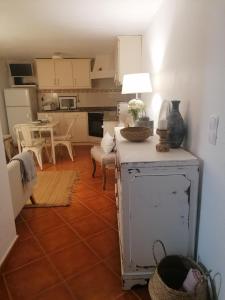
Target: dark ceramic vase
175, 126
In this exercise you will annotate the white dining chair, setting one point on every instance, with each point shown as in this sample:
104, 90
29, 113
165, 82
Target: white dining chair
29, 142
65, 139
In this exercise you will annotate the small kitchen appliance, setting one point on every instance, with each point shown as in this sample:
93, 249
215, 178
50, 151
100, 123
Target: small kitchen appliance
68, 102
49, 106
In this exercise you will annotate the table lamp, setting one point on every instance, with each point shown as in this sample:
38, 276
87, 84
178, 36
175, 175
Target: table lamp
136, 83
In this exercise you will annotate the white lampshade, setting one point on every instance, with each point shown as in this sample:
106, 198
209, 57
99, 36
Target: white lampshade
136, 83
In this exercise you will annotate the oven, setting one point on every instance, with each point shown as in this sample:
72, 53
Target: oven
95, 124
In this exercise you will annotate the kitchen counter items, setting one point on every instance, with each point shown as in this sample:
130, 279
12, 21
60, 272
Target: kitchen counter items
86, 109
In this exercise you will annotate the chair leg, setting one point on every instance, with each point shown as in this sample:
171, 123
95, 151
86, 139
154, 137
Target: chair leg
32, 199
104, 177
61, 151
46, 150
94, 167
39, 158
70, 150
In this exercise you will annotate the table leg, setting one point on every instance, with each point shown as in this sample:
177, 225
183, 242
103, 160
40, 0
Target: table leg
53, 148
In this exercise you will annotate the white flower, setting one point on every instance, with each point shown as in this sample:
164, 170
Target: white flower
135, 107
136, 104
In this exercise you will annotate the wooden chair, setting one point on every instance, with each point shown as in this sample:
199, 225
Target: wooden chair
105, 160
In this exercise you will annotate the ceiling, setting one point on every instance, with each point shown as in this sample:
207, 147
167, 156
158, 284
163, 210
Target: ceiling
75, 28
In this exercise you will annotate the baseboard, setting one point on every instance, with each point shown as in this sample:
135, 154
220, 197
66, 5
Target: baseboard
8, 251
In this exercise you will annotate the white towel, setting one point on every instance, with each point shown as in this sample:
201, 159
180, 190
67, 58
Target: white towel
193, 278
27, 166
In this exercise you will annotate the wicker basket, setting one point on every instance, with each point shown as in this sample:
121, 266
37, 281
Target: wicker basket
169, 276
136, 134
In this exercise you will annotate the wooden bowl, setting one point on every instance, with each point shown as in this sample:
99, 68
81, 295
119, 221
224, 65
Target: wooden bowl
136, 134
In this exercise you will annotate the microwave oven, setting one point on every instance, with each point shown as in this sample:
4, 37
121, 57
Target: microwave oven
68, 102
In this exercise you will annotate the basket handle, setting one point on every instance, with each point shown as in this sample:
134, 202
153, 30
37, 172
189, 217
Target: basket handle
153, 250
216, 290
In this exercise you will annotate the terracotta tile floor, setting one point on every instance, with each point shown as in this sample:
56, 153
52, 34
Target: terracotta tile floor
67, 253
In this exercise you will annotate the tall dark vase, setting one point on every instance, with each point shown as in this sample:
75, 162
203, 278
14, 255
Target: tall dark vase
175, 126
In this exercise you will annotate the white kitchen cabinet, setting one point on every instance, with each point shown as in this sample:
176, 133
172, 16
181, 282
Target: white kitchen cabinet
80, 127
54, 73
157, 200
128, 56
63, 73
45, 73
81, 73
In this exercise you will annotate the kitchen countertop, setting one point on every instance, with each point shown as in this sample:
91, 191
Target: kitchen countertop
83, 109
110, 112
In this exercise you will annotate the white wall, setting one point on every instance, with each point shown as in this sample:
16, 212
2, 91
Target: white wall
7, 224
184, 50
4, 82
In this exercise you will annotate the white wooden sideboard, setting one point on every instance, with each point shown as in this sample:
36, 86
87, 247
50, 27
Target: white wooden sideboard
157, 199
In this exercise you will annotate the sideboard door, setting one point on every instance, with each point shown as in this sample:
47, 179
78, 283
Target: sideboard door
159, 209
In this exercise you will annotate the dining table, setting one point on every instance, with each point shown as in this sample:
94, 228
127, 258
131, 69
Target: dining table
39, 127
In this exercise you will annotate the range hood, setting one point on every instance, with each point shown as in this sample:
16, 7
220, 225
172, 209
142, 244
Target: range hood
103, 67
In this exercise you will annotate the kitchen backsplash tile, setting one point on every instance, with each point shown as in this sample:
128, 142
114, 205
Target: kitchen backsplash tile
86, 97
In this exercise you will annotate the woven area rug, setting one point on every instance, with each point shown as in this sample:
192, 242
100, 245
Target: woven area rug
53, 188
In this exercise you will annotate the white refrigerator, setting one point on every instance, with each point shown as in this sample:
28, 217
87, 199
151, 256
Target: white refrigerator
21, 106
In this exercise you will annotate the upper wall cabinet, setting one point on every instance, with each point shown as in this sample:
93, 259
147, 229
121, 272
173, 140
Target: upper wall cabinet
63, 73
81, 73
128, 56
46, 73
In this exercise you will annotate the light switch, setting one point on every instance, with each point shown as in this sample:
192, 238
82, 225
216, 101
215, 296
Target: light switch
213, 127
